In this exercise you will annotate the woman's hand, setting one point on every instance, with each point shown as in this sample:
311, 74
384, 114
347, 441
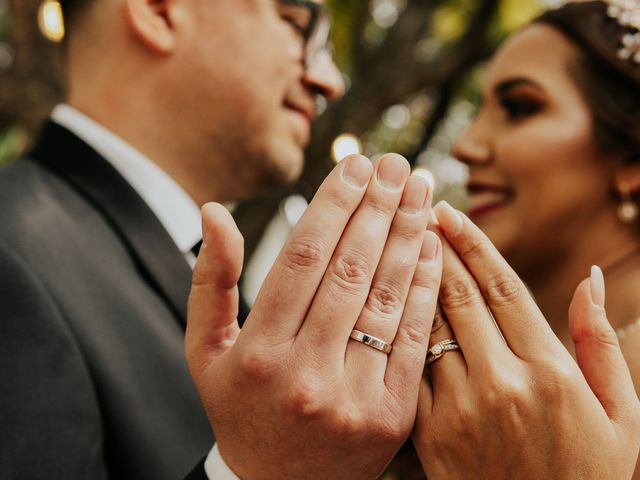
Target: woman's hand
512, 403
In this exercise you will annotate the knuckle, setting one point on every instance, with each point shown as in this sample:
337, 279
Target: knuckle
556, 380
505, 394
304, 253
440, 324
504, 289
412, 333
256, 365
426, 281
407, 231
605, 335
346, 420
340, 201
351, 271
458, 292
473, 249
304, 399
384, 300
380, 206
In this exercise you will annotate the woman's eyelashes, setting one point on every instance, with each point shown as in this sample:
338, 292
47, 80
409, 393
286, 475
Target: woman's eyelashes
517, 108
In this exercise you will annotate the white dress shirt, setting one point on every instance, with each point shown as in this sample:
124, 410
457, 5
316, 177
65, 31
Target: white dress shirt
175, 209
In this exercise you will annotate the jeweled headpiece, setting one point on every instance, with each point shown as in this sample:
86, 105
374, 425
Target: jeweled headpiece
627, 14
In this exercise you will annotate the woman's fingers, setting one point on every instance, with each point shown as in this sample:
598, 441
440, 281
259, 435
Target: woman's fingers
465, 308
598, 351
516, 313
448, 373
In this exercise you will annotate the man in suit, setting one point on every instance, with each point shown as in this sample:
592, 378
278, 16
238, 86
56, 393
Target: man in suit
171, 104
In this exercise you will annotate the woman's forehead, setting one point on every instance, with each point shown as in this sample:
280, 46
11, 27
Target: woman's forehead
538, 51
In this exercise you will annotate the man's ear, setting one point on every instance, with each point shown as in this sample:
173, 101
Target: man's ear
629, 175
150, 22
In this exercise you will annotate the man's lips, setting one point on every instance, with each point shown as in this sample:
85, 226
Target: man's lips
309, 112
486, 197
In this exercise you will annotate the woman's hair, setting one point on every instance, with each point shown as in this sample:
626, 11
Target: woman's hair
609, 85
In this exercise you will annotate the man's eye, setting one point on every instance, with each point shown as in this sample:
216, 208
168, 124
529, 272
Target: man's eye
299, 19
299, 27
518, 109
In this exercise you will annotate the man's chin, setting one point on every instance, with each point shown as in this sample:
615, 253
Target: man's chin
282, 169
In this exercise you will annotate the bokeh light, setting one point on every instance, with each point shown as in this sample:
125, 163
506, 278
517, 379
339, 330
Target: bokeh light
345, 145
50, 20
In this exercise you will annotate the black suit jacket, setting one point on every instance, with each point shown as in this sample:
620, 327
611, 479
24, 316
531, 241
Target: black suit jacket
93, 296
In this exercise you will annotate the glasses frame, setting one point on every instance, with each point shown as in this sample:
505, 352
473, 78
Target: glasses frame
319, 26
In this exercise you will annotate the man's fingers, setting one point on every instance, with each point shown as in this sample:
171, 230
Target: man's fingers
516, 313
345, 287
213, 303
390, 287
292, 282
598, 351
406, 361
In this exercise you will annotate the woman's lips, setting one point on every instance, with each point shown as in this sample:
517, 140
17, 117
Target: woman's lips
487, 198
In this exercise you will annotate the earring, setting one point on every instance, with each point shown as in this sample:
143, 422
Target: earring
628, 210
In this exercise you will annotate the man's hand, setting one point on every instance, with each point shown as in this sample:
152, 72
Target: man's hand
512, 403
291, 396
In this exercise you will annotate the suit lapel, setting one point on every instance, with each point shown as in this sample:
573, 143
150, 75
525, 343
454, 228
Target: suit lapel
150, 245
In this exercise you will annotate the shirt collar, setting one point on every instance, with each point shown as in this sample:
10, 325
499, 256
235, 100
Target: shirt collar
177, 212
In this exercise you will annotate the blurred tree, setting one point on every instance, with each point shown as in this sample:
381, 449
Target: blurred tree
31, 74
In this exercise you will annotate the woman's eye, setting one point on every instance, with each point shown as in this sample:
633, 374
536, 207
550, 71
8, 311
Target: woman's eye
517, 109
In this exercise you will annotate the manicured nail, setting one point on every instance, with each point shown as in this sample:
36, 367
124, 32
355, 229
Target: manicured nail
430, 244
357, 171
597, 286
414, 197
448, 217
393, 171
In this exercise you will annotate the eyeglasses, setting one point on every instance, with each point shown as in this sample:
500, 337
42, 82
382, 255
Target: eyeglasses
312, 21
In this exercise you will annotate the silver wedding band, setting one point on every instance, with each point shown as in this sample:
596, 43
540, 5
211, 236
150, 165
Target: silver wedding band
371, 341
439, 349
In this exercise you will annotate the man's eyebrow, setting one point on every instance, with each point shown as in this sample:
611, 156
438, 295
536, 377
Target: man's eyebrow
503, 87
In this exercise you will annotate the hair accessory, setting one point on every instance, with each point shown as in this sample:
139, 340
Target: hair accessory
627, 14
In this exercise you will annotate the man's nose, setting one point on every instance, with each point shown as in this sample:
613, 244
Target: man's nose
323, 77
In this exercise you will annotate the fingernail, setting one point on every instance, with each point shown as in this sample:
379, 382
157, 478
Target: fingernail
357, 171
429, 249
597, 286
393, 171
448, 217
205, 233
414, 197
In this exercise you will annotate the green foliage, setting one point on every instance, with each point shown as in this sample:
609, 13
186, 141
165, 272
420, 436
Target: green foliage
12, 143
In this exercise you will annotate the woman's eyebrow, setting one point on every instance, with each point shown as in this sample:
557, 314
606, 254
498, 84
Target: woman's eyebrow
505, 86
